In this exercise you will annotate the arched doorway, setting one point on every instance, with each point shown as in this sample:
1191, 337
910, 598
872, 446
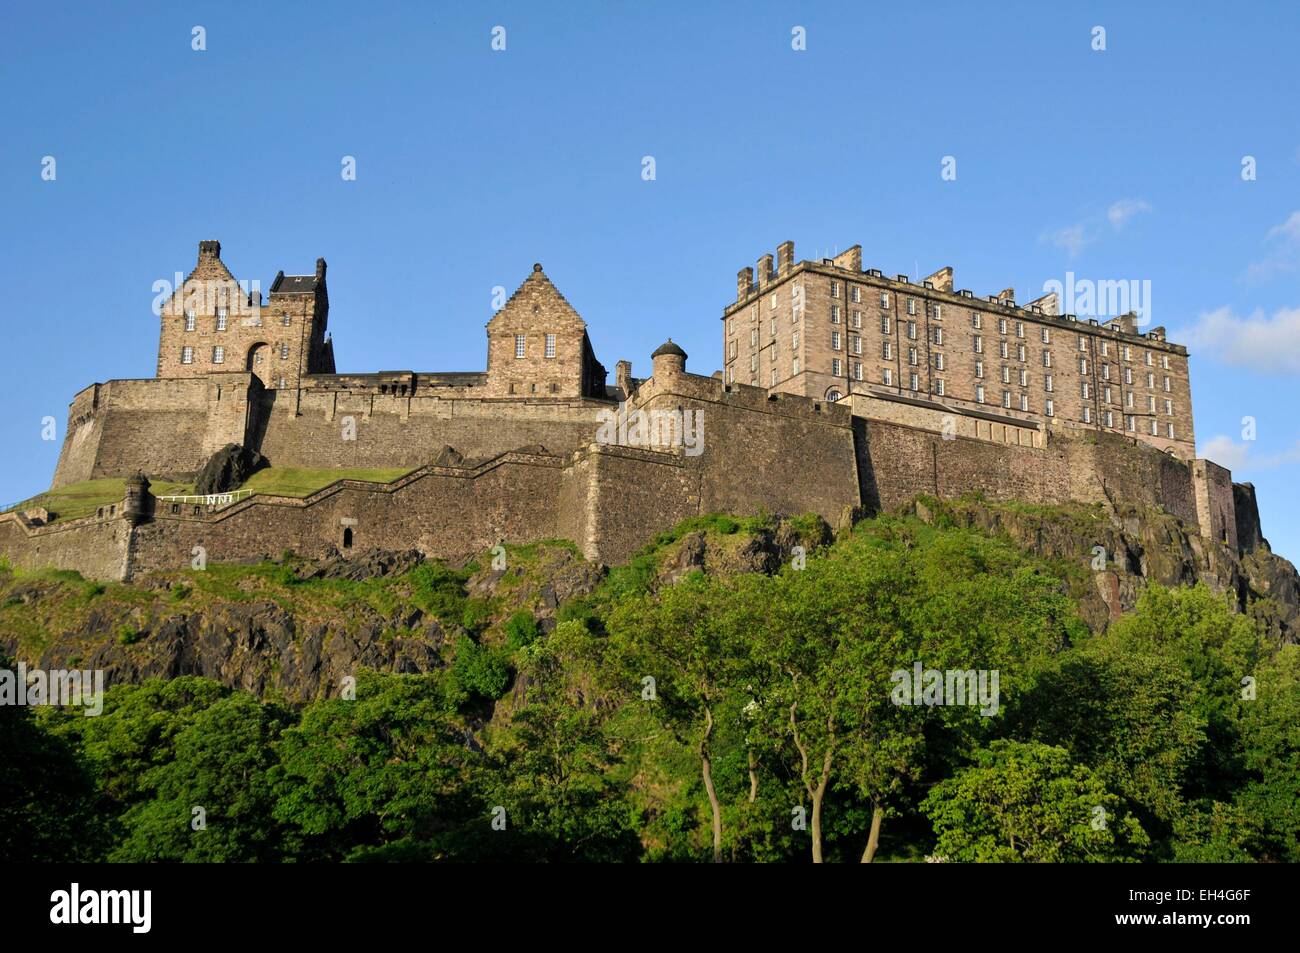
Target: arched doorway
347, 538
259, 362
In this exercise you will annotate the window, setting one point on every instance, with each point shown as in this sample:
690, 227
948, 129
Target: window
771, 303
794, 341
1006, 374
189, 321
1024, 402
979, 368
1049, 408
1164, 361
285, 319
187, 355
1048, 384
979, 394
938, 335
753, 339
550, 346
1169, 408
1083, 365
938, 362
1047, 359
833, 395
794, 366
283, 383
976, 320
884, 324
911, 306
938, 386
1002, 325
221, 319
1083, 343
835, 366
774, 377
887, 376
521, 345
1150, 358
1130, 422
773, 349
1024, 377
1105, 372
1006, 398
835, 289
857, 319
857, 344
1020, 329
978, 344
1083, 388
887, 350
771, 329
1166, 385
1128, 398
218, 355
1155, 428
1151, 404
884, 299
1047, 336
1106, 395
835, 314
1128, 375
284, 352
857, 370
1169, 431
911, 356
856, 294
911, 330
1151, 380
914, 382
1087, 415
1105, 349
1020, 352
835, 340
1002, 349
1128, 353
731, 350
753, 363
731, 375
1110, 418
936, 312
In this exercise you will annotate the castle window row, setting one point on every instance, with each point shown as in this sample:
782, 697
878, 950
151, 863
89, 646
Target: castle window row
548, 346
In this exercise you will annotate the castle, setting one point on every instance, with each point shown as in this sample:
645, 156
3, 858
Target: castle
842, 392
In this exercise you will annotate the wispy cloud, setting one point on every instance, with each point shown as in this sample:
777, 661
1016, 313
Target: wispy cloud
1283, 256
1237, 455
1072, 239
1264, 344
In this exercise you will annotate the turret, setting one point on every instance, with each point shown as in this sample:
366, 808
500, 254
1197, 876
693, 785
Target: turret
668, 361
138, 504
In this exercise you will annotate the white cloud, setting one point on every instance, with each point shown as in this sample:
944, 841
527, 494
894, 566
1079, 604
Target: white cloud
1267, 345
1072, 239
1284, 252
1237, 457
1120, 212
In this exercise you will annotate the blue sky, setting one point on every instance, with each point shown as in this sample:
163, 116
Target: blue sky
472, 164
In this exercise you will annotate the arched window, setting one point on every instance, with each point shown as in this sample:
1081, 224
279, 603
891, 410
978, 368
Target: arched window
347, 538
833, 395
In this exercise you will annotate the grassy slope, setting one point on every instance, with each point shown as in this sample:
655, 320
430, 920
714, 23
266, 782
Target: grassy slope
301, 481
82, 499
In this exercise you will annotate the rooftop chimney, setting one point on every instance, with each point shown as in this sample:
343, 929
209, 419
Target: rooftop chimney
1007, 294
1048, 303
942, 279
209, 249
784, 258
744, 283
764, 270
320, 268
851, 259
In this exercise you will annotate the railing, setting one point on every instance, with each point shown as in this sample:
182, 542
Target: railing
209, 499
10, 507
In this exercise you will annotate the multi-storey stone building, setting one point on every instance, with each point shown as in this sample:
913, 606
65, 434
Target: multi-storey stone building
831, 330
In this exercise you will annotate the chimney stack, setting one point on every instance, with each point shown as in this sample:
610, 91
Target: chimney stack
744, 283
764, 270
851, 259
320, 269
209, 250
941, 279
784, 258
623, 379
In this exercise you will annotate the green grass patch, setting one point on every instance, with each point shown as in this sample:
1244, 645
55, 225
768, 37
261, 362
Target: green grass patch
82, 499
